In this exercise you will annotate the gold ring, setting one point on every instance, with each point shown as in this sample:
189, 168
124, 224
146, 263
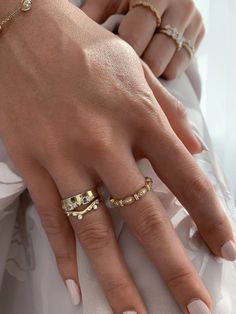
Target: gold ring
128, 200
80, 213
148, 5
71, 203
187, 44
173, 34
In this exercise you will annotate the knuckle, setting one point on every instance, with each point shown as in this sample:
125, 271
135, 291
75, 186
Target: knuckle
180, 110
203, 31
63, 259
189, 6
200, 188
149, 225
131, 38
95, 237
116, 287
171, 73
180, 278
146, 108
102, 144
198, 18
52, 224
157, 66
216, 226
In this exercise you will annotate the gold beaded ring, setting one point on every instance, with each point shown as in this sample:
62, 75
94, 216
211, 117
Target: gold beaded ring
128, 200
80, 213
151, 7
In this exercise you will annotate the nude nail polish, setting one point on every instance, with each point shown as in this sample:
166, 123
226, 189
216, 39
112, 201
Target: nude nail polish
130, 312
74, 291
201, 141
228, 251
198, 307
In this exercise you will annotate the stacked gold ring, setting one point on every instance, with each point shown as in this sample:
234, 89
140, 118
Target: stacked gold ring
151, 7
187, 44
180, 40
71, 204
173, 34
128, 200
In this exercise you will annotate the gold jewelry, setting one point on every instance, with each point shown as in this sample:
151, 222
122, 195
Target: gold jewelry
80, 213
128, 200
187, 44
71, 203
151, 7
173, 34
24, 6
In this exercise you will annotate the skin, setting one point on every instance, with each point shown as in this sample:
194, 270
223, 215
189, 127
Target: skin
79, 94
139, 29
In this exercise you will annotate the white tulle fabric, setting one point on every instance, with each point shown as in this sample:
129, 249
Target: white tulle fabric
29, 279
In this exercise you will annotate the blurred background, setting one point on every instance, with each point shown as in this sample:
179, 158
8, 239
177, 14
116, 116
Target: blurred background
217, 64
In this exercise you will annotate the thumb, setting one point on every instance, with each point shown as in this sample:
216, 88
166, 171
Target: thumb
174, 111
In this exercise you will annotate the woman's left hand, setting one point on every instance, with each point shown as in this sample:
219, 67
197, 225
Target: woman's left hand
139, 28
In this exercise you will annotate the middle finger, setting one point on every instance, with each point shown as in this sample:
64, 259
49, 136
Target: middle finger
150, 224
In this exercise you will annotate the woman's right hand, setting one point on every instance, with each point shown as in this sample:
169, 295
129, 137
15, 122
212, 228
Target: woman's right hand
76, 110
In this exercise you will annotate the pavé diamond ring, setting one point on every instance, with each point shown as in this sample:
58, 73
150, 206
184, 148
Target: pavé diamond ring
174, 34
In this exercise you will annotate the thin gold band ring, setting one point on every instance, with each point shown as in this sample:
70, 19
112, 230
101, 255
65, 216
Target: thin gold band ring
150, 6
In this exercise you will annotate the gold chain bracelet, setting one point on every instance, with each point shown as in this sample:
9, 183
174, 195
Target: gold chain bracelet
24, 6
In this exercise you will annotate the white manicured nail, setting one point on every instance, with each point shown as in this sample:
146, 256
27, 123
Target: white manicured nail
198, 307
201, 141
74, 291
228, 251
130, 312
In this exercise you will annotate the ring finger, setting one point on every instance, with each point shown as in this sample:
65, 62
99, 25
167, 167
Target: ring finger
96, 235
181, 59
162, 48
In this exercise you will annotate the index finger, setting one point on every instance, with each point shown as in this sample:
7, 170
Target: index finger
139, 25
179, 171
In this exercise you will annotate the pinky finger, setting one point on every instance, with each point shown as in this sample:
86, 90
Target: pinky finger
57, 227
200, 37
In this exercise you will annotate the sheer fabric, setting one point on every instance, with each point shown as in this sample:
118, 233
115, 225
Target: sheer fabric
217, 60
29, 279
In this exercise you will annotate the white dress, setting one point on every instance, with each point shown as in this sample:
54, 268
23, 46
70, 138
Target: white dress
29, 279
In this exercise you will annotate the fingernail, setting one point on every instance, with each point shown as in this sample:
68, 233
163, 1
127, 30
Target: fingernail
228, 251
200, 140
198, 307
130, 312
73, 291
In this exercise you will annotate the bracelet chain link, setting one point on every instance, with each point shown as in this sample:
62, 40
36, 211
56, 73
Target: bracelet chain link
24, 6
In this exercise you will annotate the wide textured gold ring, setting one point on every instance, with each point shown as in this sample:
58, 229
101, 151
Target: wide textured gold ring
187, 44
174, 34
128, 200
74, 205
146, 4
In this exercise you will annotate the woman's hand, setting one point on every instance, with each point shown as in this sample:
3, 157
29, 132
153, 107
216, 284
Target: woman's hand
76, 110
139, 29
